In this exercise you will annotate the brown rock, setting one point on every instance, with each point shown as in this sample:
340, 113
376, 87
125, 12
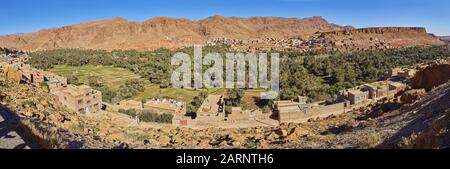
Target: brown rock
299, 131
204, 143
164, 140
166, 129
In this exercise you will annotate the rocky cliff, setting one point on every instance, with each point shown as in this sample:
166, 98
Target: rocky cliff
432, 76
374, 38
262, 32
166, 32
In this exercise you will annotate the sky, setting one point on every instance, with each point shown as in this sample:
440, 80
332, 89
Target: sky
21, 16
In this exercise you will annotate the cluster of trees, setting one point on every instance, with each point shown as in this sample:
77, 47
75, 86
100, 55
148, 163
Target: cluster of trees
195, 104
146, 116
125, 91
317, 75
234, 97
131, 112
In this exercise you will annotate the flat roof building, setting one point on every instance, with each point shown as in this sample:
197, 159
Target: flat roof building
81, 99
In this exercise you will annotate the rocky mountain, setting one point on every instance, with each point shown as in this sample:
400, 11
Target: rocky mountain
374, 38
168, 32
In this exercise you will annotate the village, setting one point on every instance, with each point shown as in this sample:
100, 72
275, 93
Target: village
86, 100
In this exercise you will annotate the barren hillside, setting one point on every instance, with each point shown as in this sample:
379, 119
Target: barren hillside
168, 32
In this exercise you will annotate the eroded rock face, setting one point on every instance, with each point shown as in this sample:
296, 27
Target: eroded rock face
374, 38
432, 76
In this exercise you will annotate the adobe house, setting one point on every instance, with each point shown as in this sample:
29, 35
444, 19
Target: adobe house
357, 96
291, 109
81, 99
378, 90
165, 106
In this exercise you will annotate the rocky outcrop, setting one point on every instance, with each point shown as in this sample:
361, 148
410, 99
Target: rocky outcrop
431, 76
373, 38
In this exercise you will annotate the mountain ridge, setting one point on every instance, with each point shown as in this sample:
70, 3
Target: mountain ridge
167, 32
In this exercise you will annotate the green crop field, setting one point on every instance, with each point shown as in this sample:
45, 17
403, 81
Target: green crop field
111, 76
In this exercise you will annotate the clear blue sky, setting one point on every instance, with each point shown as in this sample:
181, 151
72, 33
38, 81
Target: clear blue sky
32, 15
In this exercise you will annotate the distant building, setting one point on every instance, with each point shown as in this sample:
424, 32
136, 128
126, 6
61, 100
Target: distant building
403, 73
357, 96
81, 99
393, 72
291, 109
128, 104
377, 90
56, 80
165, 106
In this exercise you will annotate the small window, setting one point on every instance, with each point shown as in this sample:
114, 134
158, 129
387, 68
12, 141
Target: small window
80, 101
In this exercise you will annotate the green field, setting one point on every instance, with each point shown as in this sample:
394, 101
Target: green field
111, 76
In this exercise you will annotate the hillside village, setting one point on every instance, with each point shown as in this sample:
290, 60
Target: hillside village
84, 99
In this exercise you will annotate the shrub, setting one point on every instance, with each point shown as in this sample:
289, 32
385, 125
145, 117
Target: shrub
130, 112
153, 117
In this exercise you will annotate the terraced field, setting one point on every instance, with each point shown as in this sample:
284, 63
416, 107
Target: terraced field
111, 76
